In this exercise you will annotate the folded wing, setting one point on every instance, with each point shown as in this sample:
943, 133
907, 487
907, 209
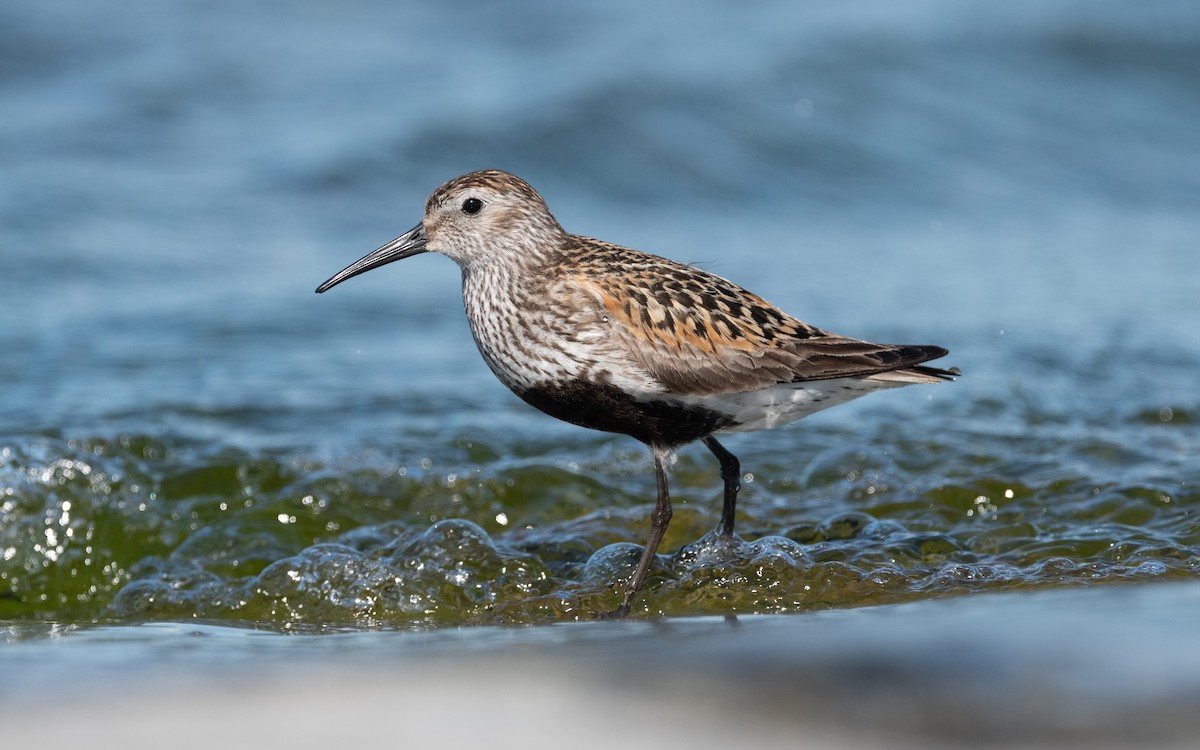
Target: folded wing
697, 333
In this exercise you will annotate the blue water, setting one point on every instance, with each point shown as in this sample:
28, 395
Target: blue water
1018, 182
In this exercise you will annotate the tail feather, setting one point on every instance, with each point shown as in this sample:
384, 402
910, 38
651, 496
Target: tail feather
913, 372
914, 375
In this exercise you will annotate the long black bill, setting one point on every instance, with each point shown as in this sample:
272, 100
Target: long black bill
406, 245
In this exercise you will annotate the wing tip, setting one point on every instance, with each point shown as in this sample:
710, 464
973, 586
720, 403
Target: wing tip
927, 353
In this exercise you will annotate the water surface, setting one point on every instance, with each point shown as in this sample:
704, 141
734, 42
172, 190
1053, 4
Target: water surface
186, 431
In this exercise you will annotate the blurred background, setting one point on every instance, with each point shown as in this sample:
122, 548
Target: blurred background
187, 431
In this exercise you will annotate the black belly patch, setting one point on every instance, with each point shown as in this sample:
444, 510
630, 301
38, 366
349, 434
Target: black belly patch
605, 407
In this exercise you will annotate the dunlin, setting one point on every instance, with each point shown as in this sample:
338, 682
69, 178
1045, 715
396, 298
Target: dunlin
619, 340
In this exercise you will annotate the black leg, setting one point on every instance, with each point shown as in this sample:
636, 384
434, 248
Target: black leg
658, 526
731, 472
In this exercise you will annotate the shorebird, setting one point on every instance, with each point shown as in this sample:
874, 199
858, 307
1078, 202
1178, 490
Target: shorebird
623, 341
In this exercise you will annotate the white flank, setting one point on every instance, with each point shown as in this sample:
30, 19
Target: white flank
771, 407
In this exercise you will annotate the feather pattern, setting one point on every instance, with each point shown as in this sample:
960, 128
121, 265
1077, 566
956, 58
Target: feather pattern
696, 333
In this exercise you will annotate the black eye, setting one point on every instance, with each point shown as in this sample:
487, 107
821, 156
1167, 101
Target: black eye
472, 205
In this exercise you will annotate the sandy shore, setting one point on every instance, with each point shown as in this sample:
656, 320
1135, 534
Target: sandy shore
1105, 667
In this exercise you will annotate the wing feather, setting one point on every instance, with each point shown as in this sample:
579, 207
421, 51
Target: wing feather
697, 333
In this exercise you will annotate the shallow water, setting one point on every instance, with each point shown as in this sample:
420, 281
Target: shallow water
187, 431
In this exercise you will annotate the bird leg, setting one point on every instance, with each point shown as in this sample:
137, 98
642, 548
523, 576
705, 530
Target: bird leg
659, 518
730, 472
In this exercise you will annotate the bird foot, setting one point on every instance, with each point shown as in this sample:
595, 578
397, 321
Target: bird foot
620, 613
715, 546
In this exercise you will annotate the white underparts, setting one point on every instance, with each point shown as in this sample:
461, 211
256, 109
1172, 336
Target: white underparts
787, 402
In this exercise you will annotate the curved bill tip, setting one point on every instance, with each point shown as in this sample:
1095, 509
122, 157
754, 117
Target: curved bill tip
406, 245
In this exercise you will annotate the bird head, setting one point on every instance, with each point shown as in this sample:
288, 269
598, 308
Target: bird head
477, 220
